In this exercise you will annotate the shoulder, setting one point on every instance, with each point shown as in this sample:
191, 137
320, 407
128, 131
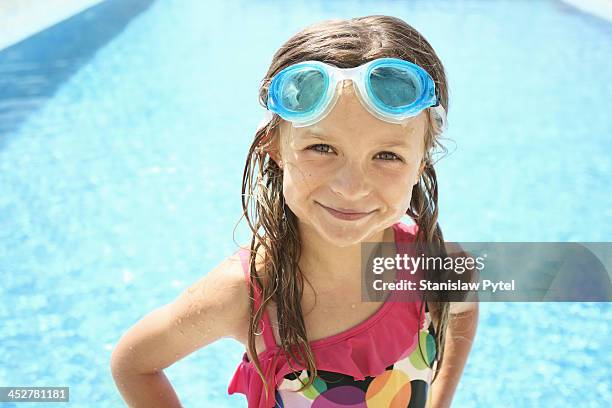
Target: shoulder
222, 293
213, 307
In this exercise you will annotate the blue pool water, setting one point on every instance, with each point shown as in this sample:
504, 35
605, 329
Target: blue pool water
121, 166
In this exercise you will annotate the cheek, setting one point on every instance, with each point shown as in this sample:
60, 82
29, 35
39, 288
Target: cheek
400, 195
395, 188
303, 175
298, 184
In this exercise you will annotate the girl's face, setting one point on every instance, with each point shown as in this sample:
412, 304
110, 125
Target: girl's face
350, 161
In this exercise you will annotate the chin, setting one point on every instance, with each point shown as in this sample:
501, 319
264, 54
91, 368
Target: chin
341, 233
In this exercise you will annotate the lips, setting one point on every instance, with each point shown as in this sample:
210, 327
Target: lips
348, 210
346, 213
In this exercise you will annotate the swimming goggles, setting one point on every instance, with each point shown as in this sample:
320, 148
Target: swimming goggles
391, 89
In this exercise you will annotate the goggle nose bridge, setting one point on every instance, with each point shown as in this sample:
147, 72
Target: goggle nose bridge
354, 75
339, 75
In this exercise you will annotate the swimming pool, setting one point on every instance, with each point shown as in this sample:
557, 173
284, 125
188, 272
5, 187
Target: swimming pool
121, 164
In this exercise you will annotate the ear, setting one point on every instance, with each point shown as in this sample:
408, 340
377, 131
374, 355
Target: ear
274, 148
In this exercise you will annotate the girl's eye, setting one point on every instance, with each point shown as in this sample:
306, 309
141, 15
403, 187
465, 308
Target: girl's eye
324, 149
391, 156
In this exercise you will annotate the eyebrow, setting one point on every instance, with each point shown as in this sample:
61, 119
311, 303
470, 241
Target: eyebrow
390, 142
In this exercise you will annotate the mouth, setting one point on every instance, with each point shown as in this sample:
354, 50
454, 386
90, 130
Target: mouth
346, 213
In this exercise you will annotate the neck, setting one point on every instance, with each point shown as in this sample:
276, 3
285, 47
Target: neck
321, 261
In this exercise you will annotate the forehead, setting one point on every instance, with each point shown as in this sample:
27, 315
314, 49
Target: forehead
383, 136
358, 131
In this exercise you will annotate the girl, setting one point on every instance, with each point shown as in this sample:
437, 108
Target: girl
355, 108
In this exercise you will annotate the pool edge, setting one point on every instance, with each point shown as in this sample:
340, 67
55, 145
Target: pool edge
598, 8
22, 19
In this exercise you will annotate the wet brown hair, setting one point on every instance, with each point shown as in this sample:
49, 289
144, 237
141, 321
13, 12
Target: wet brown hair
345, 44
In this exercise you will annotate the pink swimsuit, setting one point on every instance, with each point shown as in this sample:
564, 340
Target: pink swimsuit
377, 363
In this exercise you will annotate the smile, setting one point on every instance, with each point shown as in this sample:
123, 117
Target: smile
345, 214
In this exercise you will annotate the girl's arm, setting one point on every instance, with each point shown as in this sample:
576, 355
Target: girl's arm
212, 308
463, 320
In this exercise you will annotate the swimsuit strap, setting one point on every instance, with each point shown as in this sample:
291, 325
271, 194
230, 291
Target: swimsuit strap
266, 325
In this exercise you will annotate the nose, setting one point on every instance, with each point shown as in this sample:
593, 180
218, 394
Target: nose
350, 182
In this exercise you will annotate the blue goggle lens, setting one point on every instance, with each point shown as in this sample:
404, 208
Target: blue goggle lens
394, 87
303, 90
